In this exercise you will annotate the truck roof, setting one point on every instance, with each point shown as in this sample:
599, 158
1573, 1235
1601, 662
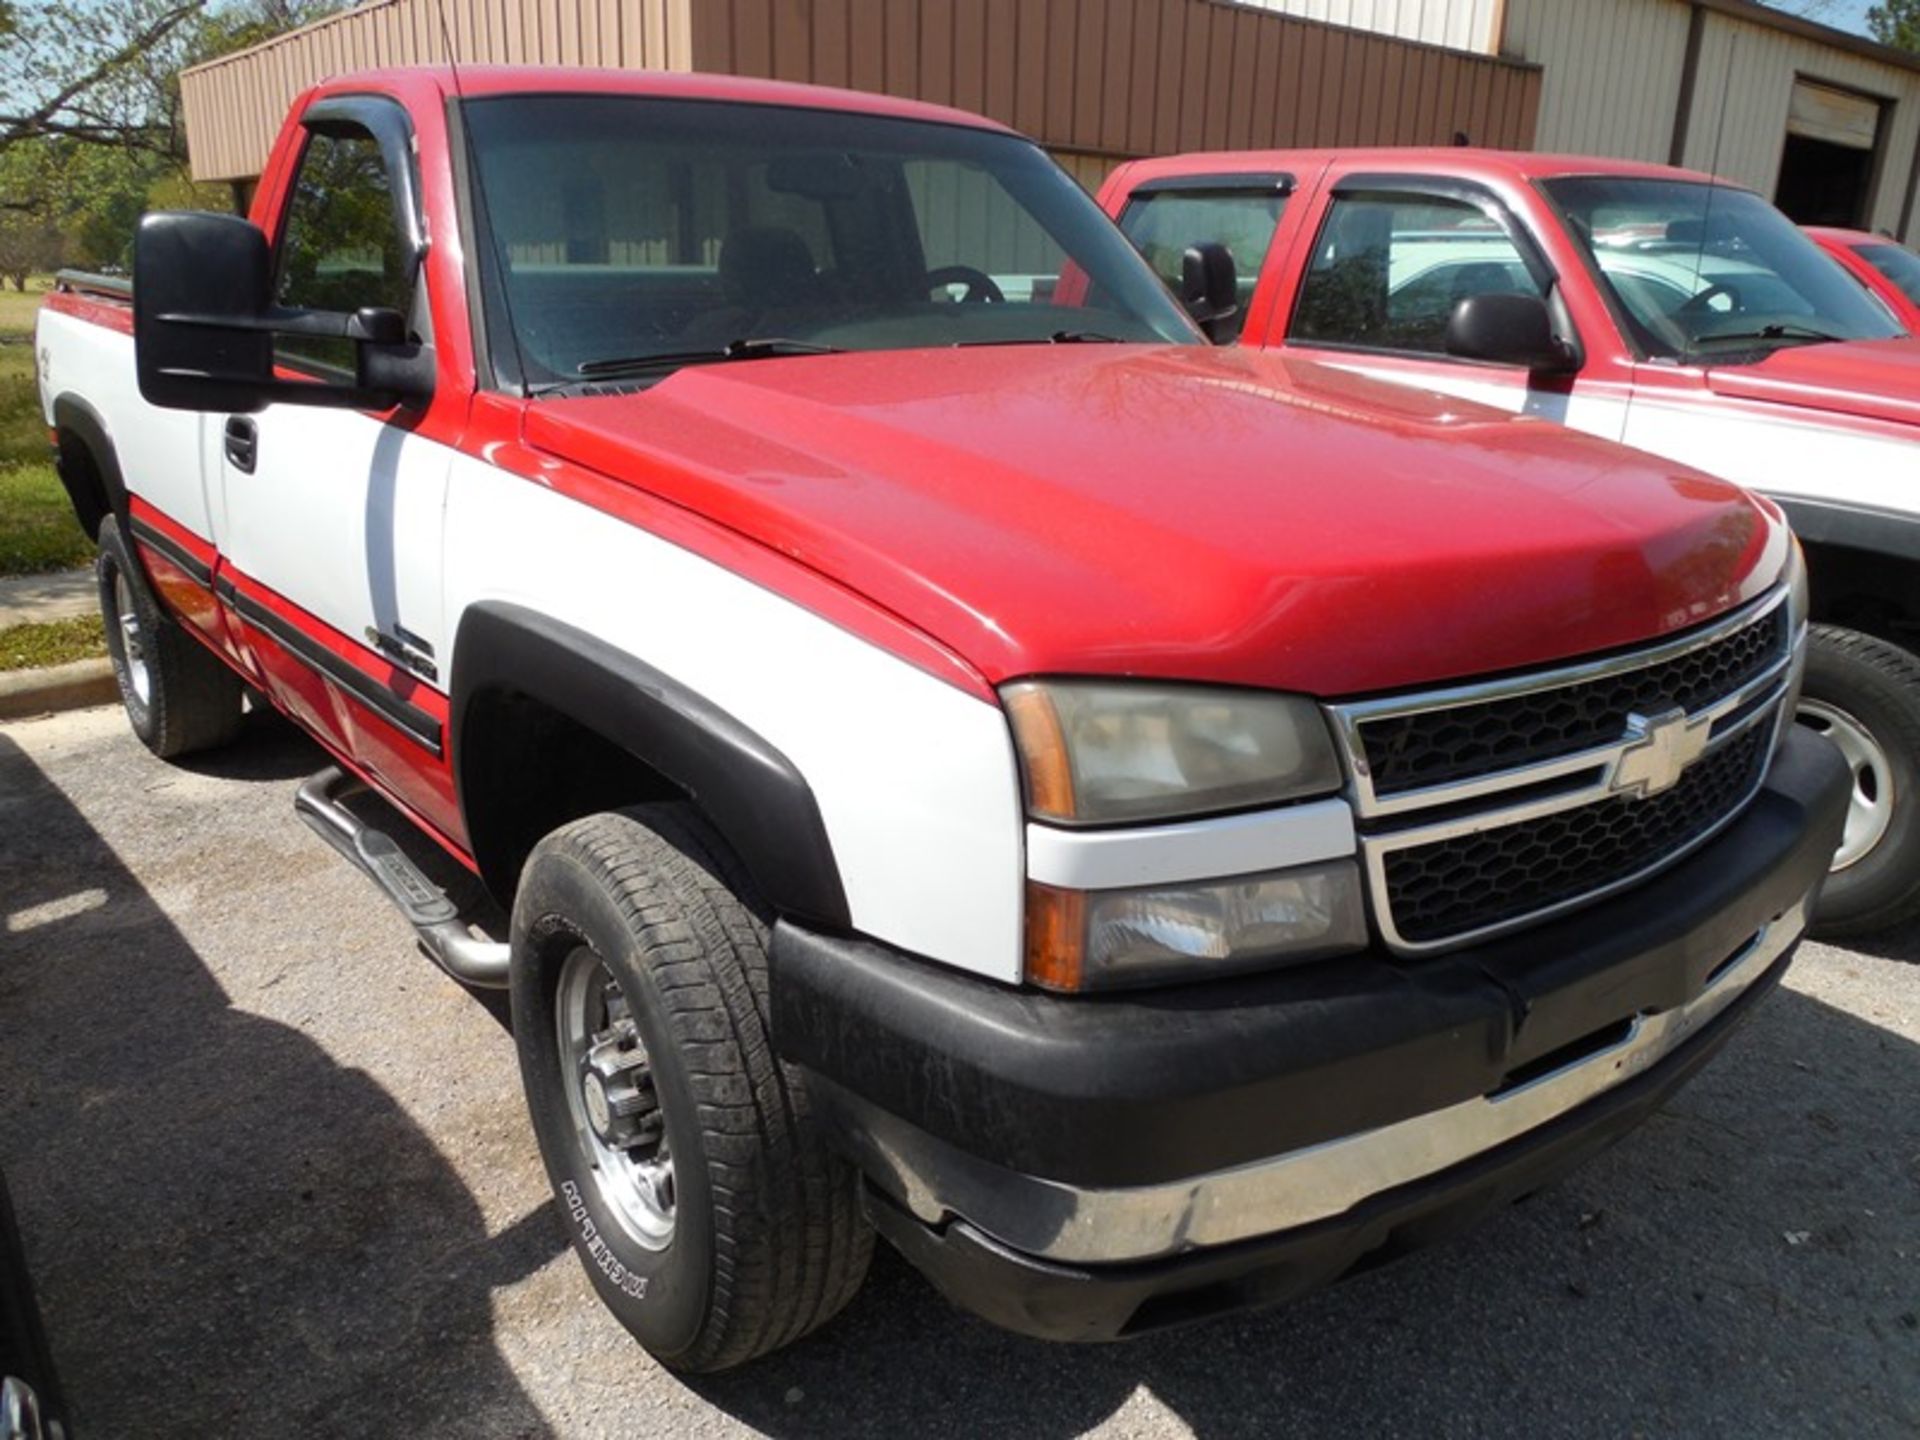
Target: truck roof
1510, 165
478, 80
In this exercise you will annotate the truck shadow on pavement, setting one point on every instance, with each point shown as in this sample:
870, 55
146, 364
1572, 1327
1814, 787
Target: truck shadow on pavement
232, 1233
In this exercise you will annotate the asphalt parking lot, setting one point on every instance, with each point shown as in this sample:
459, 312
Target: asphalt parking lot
276, 1179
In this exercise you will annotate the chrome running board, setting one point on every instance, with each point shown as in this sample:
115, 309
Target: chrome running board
448, 939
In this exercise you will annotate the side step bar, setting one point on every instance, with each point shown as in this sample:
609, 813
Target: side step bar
446, 938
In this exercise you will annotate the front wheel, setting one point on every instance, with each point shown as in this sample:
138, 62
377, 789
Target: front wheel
1864, 695
691, 1176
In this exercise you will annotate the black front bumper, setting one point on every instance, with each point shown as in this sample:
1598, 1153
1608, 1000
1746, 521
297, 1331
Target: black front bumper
942, 1086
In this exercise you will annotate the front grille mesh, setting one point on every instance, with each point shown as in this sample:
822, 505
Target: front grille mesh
1451, 887
1436, 747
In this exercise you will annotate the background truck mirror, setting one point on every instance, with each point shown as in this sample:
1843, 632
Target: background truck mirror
1507, 330
1209, 286
204, 322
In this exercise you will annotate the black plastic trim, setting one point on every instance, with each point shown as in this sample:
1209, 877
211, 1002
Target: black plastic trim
1854, 527
410, 719
1094, 1303
72, 415
751, 792
200, 572
1231, 182
1236, 1070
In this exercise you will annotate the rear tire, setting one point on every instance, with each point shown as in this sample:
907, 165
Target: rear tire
693, 1180
1864, 695
179, 696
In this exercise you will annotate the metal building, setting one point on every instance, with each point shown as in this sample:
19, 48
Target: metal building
1825, 123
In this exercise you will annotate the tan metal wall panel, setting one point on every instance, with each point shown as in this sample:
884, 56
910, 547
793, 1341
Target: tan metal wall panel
1612, 71
1456, 24
1749, 71
1109, 78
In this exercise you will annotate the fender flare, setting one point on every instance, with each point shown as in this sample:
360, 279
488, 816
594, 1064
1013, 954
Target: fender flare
748, 790
1892, 533
74, 416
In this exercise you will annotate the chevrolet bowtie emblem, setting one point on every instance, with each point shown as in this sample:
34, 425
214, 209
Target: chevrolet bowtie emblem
1658, 752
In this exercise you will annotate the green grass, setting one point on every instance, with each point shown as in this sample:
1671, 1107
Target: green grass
37, 530
36, 646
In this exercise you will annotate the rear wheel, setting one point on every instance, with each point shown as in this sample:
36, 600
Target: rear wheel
692, 1178
1864, 695
179, 696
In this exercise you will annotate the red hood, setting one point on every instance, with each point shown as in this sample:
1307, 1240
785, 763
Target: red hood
1875, 379
1185, 513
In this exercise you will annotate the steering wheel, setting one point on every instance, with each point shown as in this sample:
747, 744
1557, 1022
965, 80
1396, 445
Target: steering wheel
1702, 302
982, 289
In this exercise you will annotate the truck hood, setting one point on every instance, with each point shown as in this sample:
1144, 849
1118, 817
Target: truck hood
1186, 513
1873, 379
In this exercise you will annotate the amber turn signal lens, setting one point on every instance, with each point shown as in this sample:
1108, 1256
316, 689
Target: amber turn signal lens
1056, 937
1043, 750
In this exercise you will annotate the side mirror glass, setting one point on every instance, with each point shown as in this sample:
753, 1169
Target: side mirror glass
1209, 286
204, 322
1508, 330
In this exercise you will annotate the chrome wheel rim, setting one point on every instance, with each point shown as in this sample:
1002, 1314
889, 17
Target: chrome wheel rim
611, 1097
1870, 807
133, 640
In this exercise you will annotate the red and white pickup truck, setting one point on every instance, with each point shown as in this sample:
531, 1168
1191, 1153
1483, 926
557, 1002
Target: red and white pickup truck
1147, 828
1636, 302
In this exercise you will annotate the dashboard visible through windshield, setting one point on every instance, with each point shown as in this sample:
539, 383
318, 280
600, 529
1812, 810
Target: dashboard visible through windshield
630, 236
1707, 272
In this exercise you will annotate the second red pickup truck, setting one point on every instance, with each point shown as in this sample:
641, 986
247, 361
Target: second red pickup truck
1641, 303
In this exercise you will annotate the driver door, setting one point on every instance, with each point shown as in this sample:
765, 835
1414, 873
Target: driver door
329, 519
1389, 262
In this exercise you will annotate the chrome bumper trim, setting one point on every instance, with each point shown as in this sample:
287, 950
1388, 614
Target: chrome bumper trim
1064, 1223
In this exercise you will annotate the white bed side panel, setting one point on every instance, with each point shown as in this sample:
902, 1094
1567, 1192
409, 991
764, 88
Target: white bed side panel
915, 779
159, 450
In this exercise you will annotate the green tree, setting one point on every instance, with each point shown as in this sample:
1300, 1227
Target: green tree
1897, 23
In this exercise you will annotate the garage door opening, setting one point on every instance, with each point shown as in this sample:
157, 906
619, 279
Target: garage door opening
1827, 168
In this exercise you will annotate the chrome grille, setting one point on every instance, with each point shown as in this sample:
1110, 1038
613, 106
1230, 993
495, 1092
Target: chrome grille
1406, 752
1491, 806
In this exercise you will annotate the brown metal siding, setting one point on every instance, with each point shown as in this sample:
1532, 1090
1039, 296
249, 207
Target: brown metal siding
1097, 79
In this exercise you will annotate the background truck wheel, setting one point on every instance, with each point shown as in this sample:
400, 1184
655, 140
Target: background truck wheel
691, 1176
180, 696
1864, 695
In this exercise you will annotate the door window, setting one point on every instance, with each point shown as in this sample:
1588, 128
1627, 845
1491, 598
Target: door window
1163, 223
340, 248
1388, 270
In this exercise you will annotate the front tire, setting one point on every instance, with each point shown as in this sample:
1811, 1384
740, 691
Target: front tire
179, 696
1864, 695
690, 1173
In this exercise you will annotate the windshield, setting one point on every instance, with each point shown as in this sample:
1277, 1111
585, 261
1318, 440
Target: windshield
632, 235
1898, 264
1708, 273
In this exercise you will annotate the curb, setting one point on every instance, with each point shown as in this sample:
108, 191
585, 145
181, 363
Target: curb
59, 687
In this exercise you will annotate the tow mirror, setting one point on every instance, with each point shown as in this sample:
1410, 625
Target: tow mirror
204, 322
1209, 286
1508, 330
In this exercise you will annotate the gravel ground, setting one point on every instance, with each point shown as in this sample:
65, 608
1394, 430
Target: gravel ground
276, 1179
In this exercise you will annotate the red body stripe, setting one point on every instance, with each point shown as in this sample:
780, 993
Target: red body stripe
95, 309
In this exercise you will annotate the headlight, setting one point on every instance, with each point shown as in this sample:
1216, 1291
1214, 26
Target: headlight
1107, 939
1098, 752
1799, 609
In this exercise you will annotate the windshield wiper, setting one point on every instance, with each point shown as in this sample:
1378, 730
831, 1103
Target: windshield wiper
1779, 330
1058, 337
759, 348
